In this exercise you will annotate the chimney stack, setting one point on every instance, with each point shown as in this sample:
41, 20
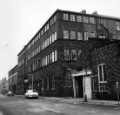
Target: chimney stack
83, 12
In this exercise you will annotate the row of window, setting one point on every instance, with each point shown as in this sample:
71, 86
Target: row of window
48, 84
37, 63
73, 35
78, 18
50, 58
49, 40
45, 28
71, 54
52, 38
44, 44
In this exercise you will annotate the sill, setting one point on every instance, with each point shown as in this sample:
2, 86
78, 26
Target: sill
102, 81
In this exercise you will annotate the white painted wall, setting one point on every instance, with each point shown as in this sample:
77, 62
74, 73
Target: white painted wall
87, 87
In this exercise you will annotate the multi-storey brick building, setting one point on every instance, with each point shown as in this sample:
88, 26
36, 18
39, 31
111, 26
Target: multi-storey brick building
12, 79
62, 52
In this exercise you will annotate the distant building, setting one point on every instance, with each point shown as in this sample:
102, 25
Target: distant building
3, 85
69, 54
12, 79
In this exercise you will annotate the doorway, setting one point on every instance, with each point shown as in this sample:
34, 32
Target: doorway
79, 86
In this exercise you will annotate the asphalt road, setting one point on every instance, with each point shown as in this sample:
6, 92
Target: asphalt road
20, 106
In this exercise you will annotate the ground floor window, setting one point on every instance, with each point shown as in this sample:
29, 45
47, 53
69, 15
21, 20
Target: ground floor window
53, 83
101, 73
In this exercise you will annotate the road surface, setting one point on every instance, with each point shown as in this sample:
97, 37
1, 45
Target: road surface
20, 106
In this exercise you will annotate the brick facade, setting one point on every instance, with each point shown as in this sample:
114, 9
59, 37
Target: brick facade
68, 40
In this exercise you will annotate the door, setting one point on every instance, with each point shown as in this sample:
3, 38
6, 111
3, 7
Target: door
87, 87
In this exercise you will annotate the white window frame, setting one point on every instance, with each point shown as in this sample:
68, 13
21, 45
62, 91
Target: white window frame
92, 20
72, 18
79, 18
85, 19
103, 74
72, 35
55, 55
55, 36
65, 16
65, 34
79, 36
85, 35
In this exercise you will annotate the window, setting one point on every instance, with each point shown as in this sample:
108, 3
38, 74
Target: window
47, 26
102, 88
73, 54
72, 17
92, 20
65, 16
46, 61
79, 52
118, 26
79, 18
85, 35
55, 55
47, 83
85, 19
65, 34
50, 57
52, 21
55, 35
47, 41
42, 88
102, 35
39, 35
92, 34
101, 73
72, 35
50, 39
66, 54
79, 36
42, 32
53, 83
54, 18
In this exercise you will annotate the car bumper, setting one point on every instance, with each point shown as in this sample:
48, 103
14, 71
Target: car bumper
31, 96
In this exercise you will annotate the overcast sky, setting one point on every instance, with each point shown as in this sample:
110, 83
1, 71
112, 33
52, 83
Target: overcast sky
21, 19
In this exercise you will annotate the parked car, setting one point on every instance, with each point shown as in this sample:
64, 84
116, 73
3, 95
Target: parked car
31, 94
10, 93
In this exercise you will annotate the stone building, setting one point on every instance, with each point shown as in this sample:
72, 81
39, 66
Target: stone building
13, 79
65, 48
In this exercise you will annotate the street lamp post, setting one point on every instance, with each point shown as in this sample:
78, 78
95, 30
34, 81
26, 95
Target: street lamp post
117, 90
32, 82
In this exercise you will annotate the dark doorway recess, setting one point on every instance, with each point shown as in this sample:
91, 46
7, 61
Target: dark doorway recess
79, 86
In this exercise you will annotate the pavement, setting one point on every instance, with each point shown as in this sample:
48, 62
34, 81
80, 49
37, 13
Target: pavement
78, 101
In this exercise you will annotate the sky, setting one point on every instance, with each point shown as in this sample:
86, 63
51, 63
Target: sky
21, 19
